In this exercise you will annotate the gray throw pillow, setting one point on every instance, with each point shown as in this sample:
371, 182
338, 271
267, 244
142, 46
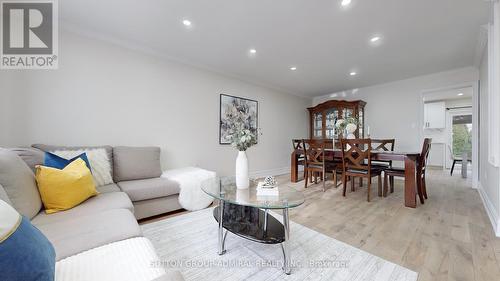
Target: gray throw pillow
31, 156
136, 163
19, 184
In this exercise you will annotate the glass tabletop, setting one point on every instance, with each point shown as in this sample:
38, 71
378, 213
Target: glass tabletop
225, 189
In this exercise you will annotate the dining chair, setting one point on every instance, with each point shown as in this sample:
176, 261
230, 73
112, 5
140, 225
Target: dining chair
356, 162
297, 145
456, 159
421, 168
316, 163
383, 145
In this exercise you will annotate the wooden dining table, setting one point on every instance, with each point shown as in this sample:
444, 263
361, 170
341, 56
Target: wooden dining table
410, 160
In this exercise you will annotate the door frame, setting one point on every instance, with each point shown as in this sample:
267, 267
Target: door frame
449, 131
475, 122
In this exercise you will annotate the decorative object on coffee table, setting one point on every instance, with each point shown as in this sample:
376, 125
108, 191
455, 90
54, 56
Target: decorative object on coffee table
238, 126
249, 218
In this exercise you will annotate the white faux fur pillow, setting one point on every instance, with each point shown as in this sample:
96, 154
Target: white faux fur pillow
99, 163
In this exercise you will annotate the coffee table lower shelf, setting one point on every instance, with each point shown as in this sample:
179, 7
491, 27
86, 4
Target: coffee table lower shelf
251, 223
255, 225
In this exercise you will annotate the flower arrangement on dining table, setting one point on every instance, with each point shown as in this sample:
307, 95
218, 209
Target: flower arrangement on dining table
349, 124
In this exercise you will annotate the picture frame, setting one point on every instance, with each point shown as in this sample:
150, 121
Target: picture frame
229, 102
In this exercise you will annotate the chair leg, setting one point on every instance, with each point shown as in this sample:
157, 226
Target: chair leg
386, 184
335, 179
352, 184
306, 177
360, 182
344, 184
323, 175
453, 167
424, 187
419, 188
369, 189
380, 185
391, 178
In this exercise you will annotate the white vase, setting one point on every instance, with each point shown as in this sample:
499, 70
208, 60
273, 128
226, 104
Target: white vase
242, 180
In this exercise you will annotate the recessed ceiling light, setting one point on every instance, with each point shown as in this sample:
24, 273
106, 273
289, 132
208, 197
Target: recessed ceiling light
460, 94
293, 68
187, 23
252, 51
353, 73
375, 39
345, 3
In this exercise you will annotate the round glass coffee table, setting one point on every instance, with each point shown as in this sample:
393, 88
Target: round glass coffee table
244, 213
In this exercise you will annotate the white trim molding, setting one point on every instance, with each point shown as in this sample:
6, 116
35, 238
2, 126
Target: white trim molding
490, 210
494, 87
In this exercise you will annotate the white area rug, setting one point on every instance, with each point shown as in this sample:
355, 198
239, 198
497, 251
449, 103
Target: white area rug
189, 243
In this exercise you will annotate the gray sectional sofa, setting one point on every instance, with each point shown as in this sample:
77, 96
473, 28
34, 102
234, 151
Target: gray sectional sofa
135, 171
104, 220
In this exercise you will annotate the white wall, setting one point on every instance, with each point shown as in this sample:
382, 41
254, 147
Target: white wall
395, 110
488, 175
106, 94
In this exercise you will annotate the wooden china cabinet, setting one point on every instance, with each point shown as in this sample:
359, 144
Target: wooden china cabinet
324, 116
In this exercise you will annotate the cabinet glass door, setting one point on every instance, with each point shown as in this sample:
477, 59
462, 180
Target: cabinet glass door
318, 125
348, 112
330, 120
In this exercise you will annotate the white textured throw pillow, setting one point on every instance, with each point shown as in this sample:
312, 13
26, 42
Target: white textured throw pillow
99, 163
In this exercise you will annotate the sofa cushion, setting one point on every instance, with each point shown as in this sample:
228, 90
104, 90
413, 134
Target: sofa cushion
19, 184
135, 163
139, 190
81, 233
52, 148
108, 188
125, 260
93, 206
31, 156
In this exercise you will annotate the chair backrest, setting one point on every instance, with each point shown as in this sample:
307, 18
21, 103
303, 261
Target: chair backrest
297, 144
356, 153
383, 144
314, 152
424, 155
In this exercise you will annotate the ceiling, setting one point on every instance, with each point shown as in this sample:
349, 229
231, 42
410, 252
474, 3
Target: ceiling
324, 40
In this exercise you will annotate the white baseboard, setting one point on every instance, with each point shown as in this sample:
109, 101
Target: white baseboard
270, 172
490, 210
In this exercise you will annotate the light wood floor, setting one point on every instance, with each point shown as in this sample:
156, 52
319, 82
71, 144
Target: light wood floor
447, 238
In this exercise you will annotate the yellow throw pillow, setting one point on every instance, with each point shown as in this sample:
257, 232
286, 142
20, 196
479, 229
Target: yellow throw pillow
64, 189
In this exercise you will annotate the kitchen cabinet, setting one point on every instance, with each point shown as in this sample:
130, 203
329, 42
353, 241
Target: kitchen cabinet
435, 115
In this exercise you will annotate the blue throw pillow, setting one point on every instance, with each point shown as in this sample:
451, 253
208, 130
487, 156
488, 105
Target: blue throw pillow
55, 161
25, 253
